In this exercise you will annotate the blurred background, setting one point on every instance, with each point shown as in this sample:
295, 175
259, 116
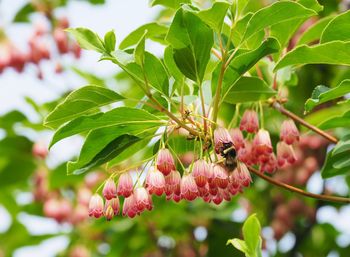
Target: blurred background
43, 212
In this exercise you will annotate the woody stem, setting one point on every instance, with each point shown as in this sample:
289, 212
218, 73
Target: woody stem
271, 180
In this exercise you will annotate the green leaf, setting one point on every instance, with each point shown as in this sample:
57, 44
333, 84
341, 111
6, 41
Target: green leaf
192, 41
314, 32
335, 52
110, 41
99, 139
171, 65
252, 244
239, 30
23, 14
88, 39
337, 122
112, 150
311, 4
155, 31
251, 234
238, 7
249, 89
215, 15
243, 63
343, 145
240, 245
118, 116
274, 14
139, 51
336, 164
170, 3
85, 100
322, 94
337, 29
156, 73
8, 120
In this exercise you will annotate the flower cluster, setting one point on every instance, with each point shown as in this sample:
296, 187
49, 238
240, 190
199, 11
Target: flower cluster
212, 181
39, 48
259, 150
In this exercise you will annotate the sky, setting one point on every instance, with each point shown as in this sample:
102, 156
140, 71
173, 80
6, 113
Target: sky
123, 17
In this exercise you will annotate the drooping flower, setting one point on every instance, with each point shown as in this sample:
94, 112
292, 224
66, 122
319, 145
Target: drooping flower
237, 138
243, 174
125, 185
249, 122
189, 190
143, 199
200, 172
262, 144
285, 153
246, 154
109, 190
165, 161
220, 176
289, 132
222, 140
270, 166
172, 183
96, 206
129, 207
155, 182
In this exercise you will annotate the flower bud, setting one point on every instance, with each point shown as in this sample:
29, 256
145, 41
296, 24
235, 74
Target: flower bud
249, 122
155, 182
289, 132
165, 161
189, 189
200, 172
222, 140
125, 185
237, 138
142, 199
109, 212
110, 189
114, 204
40, 150
96, 206
285, 153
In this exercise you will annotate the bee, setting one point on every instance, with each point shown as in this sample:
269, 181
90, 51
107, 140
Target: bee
228, 151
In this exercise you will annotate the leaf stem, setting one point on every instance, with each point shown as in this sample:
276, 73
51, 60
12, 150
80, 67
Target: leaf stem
322, 197
203, 108
296, 118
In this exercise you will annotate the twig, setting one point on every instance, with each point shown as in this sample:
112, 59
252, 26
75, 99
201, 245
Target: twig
329, 198
291, 115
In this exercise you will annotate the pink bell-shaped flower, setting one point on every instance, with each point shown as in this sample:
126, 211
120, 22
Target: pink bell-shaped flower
165, 161
262, 143
172, 183
115, 205
189, 189
220, 176
155, 182
96, 206
249, 122
143, 199
237, 138
285, 153
125, 185
289, 132
200, 172
129, 207
222, 140
110, 189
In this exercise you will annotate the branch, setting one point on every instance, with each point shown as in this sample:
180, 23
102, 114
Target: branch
271, 180
296, 118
